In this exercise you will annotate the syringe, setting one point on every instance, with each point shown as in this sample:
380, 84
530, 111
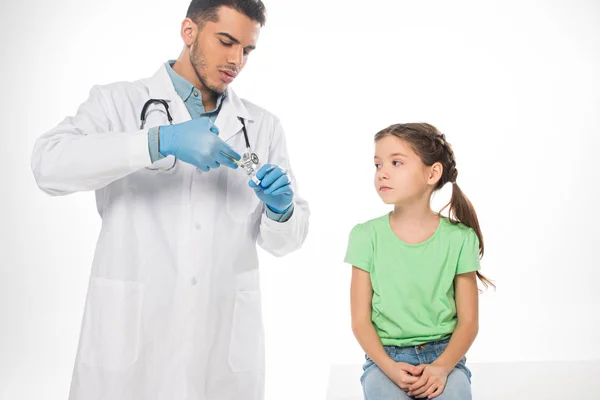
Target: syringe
248, 165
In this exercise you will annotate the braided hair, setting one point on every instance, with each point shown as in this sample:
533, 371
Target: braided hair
450, 159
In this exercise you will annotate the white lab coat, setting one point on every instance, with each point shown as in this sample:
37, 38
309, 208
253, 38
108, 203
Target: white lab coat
173, 309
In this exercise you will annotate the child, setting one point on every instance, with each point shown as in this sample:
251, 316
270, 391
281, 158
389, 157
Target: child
414, 289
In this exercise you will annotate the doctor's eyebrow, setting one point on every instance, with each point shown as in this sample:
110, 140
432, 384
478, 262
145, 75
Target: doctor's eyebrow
234, 40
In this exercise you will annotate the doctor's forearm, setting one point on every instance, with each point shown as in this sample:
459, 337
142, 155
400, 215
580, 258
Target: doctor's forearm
281, 238
154, 144
65, 162
279, 217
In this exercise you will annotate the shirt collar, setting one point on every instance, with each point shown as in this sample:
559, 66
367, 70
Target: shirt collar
184, 88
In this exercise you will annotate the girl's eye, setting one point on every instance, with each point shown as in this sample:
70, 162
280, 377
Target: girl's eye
396, 163
377, 166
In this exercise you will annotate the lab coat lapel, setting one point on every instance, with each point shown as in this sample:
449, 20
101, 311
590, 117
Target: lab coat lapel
228, 120
160, 86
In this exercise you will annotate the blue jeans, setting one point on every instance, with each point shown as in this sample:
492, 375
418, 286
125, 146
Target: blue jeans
377, 386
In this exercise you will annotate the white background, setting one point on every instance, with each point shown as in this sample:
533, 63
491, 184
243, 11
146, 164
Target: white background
515, 85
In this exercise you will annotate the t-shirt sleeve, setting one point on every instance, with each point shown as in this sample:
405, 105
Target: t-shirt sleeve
360, 248
468, 259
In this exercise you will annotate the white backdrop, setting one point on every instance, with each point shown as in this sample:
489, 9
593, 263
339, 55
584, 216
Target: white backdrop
513, 84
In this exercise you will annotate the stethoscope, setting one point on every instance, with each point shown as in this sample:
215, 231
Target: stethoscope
249, 160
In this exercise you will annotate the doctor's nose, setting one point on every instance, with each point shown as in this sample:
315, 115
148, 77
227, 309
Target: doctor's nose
236, 56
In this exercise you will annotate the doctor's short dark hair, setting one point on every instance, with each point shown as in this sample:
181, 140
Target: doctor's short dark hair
202, 11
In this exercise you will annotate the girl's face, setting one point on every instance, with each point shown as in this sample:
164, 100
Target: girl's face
400, 175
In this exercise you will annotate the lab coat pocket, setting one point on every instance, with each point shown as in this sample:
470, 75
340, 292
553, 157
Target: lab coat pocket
242, 201
110, 333
246, 348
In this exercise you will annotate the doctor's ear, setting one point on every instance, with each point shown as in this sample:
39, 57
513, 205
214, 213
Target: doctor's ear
189, 30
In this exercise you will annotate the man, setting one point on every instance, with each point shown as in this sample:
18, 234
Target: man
173, 309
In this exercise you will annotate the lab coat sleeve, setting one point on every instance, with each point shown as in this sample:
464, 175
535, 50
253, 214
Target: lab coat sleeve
281, 238
84, 153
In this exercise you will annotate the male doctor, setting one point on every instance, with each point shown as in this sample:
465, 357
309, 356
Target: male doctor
173, 309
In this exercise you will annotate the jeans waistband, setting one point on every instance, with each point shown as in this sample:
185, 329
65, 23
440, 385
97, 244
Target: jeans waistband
420, 347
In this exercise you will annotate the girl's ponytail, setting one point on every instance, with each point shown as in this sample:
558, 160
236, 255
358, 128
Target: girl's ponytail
461, 210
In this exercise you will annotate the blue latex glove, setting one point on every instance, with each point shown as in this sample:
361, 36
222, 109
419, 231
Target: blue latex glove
196, 142
275, 189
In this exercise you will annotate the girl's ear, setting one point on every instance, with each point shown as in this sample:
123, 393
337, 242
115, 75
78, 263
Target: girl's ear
435, 173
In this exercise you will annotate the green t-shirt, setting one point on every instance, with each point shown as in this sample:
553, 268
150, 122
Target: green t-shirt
413, 284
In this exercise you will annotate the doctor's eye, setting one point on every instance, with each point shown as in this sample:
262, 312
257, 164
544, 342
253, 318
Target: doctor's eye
226, 44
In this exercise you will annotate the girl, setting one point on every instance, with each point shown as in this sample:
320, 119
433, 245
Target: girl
414, 288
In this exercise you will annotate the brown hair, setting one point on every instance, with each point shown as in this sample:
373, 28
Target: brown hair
201, 11
431, 146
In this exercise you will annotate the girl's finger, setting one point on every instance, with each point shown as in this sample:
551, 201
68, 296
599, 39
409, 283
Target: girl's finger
437, 392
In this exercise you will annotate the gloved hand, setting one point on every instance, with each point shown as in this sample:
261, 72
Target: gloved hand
196, 142
275, 189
